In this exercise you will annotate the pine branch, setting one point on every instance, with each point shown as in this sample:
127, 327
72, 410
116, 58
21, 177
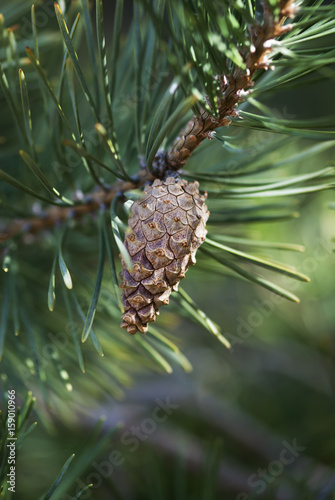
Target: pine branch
216, 50
233, 86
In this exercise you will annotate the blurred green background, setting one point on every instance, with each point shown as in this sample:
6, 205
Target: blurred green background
276, 385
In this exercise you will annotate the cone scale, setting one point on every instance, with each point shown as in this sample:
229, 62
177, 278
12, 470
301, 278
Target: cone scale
166, 227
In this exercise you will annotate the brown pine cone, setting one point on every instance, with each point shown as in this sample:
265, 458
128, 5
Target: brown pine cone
167, 226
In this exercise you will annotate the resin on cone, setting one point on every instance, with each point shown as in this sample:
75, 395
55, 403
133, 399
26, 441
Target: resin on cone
166, 227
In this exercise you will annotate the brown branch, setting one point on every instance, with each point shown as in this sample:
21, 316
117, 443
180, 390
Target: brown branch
200, 127
57, 214
197, 129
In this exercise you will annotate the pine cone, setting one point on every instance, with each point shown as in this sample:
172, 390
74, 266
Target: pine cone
167, 226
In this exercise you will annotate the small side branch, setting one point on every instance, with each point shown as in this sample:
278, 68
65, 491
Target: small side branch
55, 215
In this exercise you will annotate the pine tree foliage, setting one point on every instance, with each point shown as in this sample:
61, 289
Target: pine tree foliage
87, 122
